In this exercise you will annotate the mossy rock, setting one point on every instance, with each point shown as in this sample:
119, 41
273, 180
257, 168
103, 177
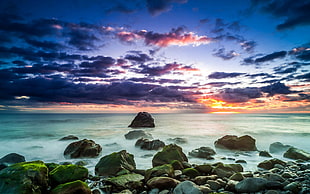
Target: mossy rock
77, 186
51, 166
68, 173
112, 164
127, 181
190, 172
159, 170
177, 165
204, 168
24, 178
169, 153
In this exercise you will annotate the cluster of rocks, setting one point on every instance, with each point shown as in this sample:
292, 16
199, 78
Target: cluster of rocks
170, 173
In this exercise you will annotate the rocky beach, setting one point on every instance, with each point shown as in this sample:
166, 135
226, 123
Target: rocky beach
171, 171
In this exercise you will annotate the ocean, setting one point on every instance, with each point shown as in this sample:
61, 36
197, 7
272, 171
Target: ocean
36, 136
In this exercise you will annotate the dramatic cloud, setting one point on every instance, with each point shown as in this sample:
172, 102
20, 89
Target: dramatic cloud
294, 13
222, 75
177, 37
157, 7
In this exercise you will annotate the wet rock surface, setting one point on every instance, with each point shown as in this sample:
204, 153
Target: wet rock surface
82, 149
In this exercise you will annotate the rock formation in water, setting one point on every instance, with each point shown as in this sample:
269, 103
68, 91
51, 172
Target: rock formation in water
143, 119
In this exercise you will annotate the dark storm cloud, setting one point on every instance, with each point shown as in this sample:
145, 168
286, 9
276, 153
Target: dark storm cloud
277, 88
158, 70
304, 77
221, 53
138, 57
82, 39
265, 58
124, 6
238, 95
222, 75
293, 13
156, 7
57, 89
45, 45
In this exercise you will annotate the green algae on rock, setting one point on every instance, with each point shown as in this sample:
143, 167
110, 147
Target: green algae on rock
68, 173
77, 186
112, 164
24, 178
159, 170
169, 153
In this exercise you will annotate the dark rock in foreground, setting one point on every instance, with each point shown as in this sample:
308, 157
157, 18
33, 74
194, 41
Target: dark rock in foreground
250, 185
278, 147
69, 137
232, 142
82, 149
143, 119
169, 153
135, 134
203, 152
116, 163
147, 144
296, 154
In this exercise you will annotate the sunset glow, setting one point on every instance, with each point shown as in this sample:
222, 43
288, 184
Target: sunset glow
157, 56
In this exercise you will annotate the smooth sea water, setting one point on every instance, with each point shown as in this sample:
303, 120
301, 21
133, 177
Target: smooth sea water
36, 136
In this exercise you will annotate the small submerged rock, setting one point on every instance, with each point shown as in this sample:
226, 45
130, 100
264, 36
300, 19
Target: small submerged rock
147, 144
178, 140
278, 147
143, 119
232, 142
12, 158
135, 134
69, 137
203, 152
264, 154
83, 149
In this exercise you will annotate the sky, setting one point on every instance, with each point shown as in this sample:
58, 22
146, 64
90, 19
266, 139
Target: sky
204, 56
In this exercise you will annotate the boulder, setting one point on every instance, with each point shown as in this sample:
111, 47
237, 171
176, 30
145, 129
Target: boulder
250, 185
143, 119
162, 183
82, 149
187, 187
297, 154
159, 171
127, 181
203, 152
24, 178
278, 147
227, 170
269, 164
169, 153
115, 163
177, 165
72, 187
135, 134
11, 158
232, 142
69, 137
147, 144
68, 173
